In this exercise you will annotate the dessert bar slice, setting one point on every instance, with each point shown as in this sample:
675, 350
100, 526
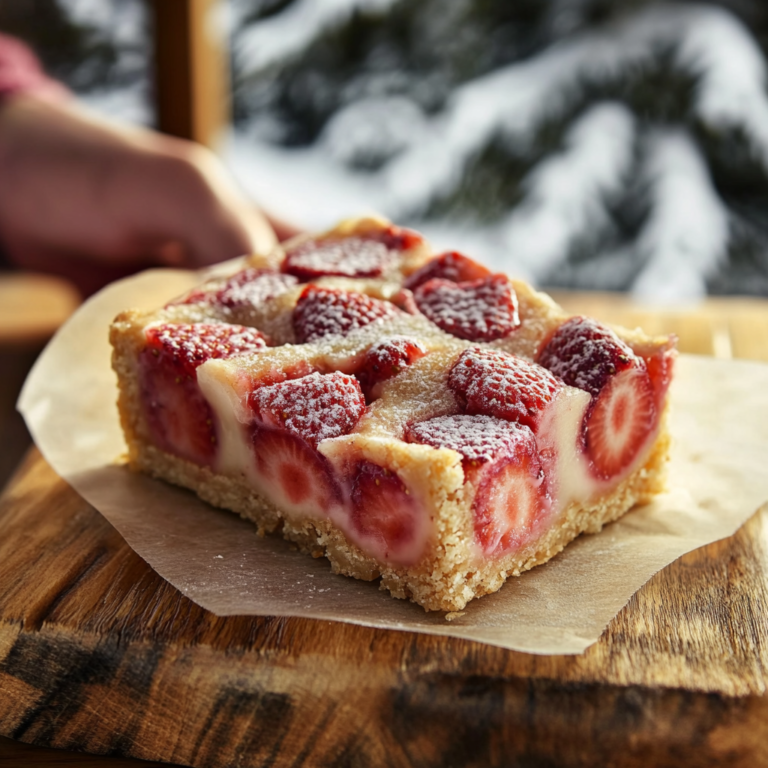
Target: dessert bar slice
408, 415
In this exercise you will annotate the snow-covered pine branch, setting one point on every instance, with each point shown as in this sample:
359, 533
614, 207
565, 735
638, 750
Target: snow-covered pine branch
566, 193
686, 235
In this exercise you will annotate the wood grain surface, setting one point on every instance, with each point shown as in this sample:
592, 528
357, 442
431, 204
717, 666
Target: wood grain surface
100, 654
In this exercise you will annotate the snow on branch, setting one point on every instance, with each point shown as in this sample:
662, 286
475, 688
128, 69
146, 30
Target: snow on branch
286, 34
513, 101
566, 193
686, 236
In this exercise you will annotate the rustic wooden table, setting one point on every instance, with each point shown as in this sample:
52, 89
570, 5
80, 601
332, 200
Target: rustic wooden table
100, 654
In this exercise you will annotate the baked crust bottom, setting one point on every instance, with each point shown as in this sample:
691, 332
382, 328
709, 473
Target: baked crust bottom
455, 581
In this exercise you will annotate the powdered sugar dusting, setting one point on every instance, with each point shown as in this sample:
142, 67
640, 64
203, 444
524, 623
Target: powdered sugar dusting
477, 438
452, 265
316, 407
348, 257
386, 359
487, 381
586, 354
324, 312
252, 287
482, 310
192, 344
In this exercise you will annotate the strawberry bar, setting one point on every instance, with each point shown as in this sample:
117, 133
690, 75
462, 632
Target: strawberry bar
411, 416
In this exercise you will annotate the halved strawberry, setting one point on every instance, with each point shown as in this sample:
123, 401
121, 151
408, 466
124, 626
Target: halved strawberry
494, 383
249, 287
481, 310
386, 359
252, 287
202, 295
314, 407
322, 312
619, 421
509, 501
586, 354
188, 345
346, 257
291, 473
660, 363
452, 265
385, 514
404, 300
179, 418
397, 238
501, 460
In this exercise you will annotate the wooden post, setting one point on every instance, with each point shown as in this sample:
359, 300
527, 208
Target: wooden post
191, 70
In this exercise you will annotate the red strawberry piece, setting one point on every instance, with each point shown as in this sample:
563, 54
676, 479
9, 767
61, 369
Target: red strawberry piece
586, 354
501, 460
322, 312
188, 345
386, 359
179, 419
248, 287
452, 265
404, 300
494, 383
384, 514
314, 408
252, 287
509, 502
178, 416
292, 473
481, 310
346, 257
660, 365
619, 421
201, 295
397, 238
479, 439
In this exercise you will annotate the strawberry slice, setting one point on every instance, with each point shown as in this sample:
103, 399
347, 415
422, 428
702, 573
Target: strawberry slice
252, 287
587, 354
619, 422
404, 300
660, 363
247, 288
385, 515
179, 419
188, 345
494, 383
386, 359
480, 310
364, 254
500, 459
322, 312
314, 407
509, 501
345, 257
452, 265
397, 238
291, 473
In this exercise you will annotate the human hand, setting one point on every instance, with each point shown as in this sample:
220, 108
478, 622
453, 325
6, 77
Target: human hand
76, 190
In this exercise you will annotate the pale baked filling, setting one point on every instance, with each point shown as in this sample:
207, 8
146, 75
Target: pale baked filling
421, 484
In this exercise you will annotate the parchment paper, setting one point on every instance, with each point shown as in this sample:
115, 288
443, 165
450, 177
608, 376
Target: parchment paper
718, 480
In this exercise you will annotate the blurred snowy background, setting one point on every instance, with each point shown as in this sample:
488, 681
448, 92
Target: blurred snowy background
606, 144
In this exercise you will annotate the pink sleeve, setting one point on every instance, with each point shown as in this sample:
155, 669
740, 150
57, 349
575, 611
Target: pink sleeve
20, 72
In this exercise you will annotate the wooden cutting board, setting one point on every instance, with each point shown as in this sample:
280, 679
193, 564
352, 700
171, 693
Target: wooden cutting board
98, 653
